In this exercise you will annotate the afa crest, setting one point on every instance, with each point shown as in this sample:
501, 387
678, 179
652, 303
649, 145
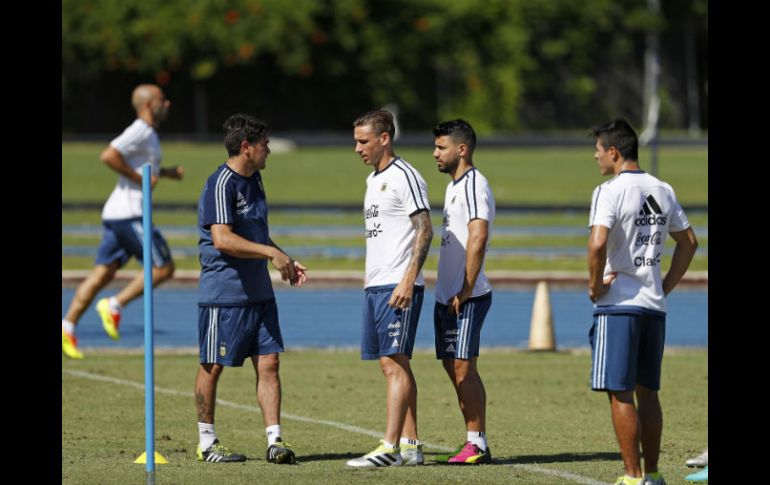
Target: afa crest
384, 186
222, 351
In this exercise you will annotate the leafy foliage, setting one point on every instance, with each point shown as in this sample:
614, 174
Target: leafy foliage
504, 65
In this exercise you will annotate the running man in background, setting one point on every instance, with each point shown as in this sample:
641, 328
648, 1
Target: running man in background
237, 313
463, 292
398, 234
631, 217
122, 219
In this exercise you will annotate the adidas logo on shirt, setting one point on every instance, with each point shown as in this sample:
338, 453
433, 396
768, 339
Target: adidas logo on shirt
241, 206
651, 213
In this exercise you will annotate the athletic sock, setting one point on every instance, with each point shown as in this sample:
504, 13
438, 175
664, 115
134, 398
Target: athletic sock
273, 432
115, 305
408, 441
479, 439
206, 435
68, 326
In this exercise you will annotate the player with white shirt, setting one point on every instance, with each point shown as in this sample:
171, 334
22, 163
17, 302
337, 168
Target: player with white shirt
631, 216
122, 219
398, 233
463, 292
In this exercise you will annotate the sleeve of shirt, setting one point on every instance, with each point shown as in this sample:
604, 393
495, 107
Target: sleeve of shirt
477, 197
136, 139
678, 220
603, 208
128, 141
414, 190
218, 200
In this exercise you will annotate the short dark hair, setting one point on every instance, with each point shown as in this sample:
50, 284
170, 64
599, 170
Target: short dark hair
380, 119
239, 127
618, 134
459, 130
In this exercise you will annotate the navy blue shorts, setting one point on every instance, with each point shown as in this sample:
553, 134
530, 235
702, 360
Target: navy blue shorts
123, 239
459, 336
387, 330
229, 334
626, 350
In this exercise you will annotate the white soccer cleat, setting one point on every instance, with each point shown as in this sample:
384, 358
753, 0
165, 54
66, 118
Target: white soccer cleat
411, 454
699, 461
382, 456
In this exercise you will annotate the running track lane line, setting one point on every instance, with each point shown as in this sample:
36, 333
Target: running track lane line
334, 424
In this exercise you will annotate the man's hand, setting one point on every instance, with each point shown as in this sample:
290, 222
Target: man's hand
457, 301
402, 295
284, 264
176, 172
596, 293
301, 273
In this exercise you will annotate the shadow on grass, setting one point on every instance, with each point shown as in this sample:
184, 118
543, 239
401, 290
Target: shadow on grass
329, 456
504, 460
559, 458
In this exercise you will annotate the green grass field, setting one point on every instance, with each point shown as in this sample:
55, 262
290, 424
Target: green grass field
544, 425
337, 175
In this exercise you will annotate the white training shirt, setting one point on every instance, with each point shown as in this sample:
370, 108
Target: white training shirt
467, 198
138, 144
392, 196
639, 211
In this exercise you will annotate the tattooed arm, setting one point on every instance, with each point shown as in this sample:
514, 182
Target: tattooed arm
402, 294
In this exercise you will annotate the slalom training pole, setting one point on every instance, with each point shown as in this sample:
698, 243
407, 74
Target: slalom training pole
149, 345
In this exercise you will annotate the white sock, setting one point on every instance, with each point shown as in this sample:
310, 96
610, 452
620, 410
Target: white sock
115, 305
206, 435
478, 438
273, 432
408, 441
388, 445
68, 326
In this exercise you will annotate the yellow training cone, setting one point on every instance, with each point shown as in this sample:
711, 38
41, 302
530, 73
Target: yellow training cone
541, 336
158, 458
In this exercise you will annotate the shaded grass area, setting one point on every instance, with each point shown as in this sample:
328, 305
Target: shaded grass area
540, 414
336, 174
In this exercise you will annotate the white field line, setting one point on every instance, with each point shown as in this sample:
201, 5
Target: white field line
333, 424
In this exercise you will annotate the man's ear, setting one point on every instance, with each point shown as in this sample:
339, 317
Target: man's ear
384, 138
